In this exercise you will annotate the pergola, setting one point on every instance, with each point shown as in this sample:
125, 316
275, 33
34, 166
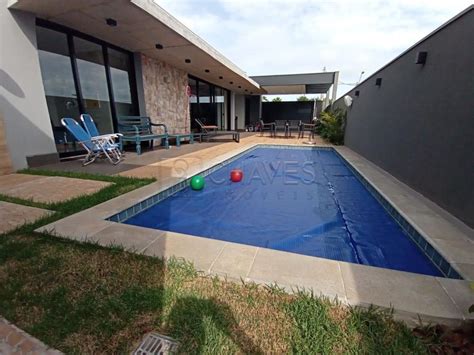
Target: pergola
300, 84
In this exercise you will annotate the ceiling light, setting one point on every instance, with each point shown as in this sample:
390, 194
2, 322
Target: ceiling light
158, 46
111, 22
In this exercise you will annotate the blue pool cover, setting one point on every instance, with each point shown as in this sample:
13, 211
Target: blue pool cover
303, 201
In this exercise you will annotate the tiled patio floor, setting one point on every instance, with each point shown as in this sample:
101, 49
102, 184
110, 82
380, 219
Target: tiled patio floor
436, 299
133, 161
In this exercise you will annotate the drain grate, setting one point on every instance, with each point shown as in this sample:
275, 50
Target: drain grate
156, 344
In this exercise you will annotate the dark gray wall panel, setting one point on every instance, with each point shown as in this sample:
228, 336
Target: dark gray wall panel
419, 124
287, 110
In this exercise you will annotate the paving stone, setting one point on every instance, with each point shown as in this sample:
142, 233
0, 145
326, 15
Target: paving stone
461, 293
129, 237
12, 180
13, 215
200, 251
48, 189
235, 260
405, 291
13, 340
322, 276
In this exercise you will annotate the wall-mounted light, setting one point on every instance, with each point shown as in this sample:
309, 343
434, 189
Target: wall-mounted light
421, 57
251, 92
240, 87
111, 22
207, 70
187, 61
246, 90
347, 101
158, 46
357, 93
221, 77
231, 82
378, 82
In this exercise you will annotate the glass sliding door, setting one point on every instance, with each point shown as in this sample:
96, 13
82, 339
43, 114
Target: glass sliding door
120, 76
220, 99
205, 103
59, 85
193, 104
82, 74
93, 83
209, 103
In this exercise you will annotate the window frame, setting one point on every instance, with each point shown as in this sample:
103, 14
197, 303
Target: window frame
70, 34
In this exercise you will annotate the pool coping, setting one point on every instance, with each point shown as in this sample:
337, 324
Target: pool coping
410, 295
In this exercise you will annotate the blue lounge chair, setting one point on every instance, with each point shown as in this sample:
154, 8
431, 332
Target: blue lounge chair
89, 125
91, 128
97, 146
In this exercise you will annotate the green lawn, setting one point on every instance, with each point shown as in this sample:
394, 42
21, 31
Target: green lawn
83, 298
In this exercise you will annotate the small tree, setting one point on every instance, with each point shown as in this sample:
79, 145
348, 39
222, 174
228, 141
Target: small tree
264, 98
277, 99
303, 98
332, 125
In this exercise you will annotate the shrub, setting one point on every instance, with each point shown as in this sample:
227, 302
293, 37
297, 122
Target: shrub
332, 126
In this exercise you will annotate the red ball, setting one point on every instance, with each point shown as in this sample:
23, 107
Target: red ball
236, 175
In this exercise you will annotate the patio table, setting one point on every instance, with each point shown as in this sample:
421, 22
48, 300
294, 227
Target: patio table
182, 136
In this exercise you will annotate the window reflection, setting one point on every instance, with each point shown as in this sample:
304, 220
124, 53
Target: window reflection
58, 82
120, 67
208, 103
63, 74
93, 81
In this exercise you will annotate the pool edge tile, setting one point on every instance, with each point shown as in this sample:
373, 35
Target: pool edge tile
322, 276
405, 292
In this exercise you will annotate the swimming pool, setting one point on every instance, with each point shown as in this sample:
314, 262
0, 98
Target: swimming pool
304, 201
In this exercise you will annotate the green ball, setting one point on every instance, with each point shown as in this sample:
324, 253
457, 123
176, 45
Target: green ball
197, 182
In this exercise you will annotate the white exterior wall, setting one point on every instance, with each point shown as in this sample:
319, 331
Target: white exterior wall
22, 100
232, 110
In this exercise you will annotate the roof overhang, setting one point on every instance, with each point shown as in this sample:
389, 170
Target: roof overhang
296, 84
141, 24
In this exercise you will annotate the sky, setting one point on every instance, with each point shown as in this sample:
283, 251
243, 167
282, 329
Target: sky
301, 36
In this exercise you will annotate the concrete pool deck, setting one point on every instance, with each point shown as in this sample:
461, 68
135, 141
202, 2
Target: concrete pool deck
433, 298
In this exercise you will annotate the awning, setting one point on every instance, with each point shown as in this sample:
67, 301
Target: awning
297, 84
140, 26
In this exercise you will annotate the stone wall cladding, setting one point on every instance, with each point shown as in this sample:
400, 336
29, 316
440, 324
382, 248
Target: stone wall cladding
166, 100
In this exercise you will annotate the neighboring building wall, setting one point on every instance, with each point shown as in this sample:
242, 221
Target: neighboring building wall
419, 125
239, 111
287, 110
22, 100
166, 100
